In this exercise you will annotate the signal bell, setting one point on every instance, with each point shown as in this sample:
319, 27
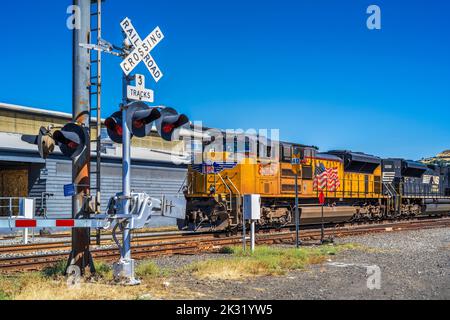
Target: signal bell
169, 121
44, 141
140, 118
46, 144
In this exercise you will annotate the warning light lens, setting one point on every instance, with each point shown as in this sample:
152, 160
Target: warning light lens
114, 126
138, 124
118, 129
109, 123
72, 145
168, 128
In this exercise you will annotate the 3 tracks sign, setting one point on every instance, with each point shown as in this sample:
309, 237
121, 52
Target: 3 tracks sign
138, 92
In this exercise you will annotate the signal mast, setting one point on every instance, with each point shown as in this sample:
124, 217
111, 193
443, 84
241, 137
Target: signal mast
126, 210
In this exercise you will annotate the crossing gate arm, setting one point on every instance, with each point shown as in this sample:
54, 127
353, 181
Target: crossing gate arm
19, 223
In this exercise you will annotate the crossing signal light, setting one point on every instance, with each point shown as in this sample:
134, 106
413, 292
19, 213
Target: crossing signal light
72, 139
169, 121
114, 126
140, 118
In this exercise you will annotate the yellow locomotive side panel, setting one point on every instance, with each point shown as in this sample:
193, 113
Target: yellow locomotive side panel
276, 180
245, 181
267, 178
358, 185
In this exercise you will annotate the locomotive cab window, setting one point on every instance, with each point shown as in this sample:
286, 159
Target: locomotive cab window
286, 151
230, 145
299, 151
308, 154
264, 151
243, 146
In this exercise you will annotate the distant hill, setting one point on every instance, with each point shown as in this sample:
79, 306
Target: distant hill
443, 157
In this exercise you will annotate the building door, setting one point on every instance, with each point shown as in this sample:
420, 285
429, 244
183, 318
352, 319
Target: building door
13, 184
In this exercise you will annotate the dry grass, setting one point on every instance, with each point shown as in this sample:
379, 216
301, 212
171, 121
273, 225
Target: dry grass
160, 283
266, 261
50, 284
35, 286
59, 290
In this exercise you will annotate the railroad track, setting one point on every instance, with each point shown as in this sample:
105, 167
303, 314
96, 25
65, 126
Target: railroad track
193, 244
66, 245
68, 235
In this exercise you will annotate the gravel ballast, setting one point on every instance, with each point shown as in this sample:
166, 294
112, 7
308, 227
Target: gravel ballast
412, 265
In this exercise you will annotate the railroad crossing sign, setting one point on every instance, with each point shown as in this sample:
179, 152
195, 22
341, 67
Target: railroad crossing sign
142, 49
139, 93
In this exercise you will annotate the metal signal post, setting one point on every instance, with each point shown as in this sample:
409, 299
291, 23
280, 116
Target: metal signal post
126, 210
322, 203
297, 214
135, 119
296, 169
125, 267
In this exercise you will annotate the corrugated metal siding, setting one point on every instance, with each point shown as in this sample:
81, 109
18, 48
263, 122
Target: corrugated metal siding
36, 185
58, 205
153, 179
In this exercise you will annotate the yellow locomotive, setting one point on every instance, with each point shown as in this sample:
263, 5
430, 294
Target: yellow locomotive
216, 182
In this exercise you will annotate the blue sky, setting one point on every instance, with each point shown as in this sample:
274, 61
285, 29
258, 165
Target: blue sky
309, 68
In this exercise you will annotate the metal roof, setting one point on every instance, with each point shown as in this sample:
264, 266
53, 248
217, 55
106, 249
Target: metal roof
356, 156
68, 116
12, 142
36, 111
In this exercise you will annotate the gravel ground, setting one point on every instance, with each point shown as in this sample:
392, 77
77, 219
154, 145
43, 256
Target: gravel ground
412, 265
37, 239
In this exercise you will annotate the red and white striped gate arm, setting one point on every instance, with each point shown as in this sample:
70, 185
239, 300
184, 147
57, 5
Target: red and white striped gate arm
18, 223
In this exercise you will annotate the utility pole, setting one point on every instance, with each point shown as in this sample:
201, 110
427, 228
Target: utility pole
80, 255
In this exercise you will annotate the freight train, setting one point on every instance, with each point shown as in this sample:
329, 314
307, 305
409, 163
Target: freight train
356, 186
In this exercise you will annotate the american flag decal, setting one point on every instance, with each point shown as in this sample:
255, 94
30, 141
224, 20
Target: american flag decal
326, 179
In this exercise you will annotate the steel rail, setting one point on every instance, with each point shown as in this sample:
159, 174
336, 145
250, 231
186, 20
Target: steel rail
211, 243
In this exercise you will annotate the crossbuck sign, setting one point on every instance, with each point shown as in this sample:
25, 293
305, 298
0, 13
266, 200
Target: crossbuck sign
142, 49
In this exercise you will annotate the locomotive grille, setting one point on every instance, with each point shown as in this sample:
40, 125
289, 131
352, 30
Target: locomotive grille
288, 188
287, 173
